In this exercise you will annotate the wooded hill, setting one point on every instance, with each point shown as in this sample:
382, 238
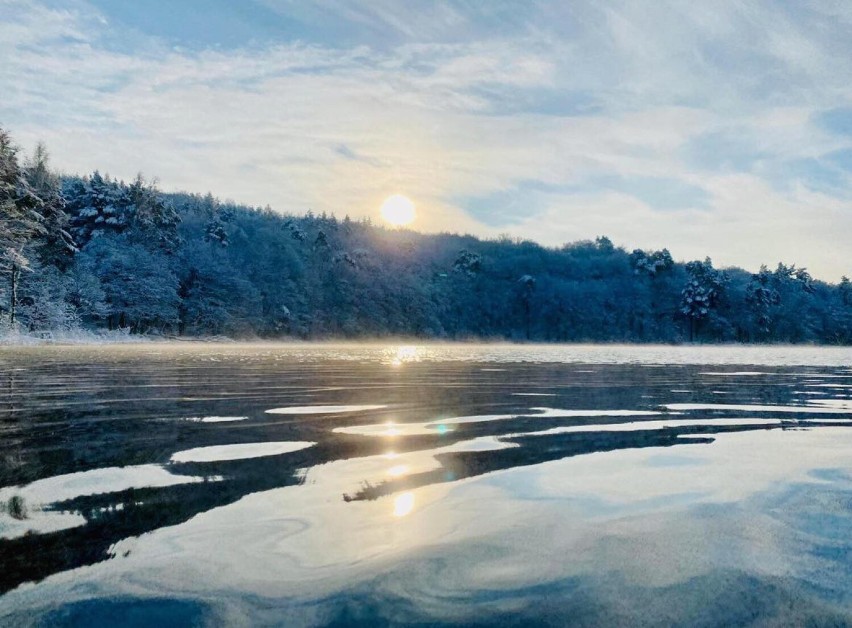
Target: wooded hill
95, 253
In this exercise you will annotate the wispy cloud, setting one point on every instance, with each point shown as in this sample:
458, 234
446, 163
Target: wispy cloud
722, 130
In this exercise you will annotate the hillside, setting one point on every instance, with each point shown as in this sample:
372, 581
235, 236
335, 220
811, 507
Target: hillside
95, 253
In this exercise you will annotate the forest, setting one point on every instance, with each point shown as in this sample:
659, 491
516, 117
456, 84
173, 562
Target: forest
91, 254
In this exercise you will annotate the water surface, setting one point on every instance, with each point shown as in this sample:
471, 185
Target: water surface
374, 484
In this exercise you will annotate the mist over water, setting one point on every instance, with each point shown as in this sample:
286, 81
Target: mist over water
315, 484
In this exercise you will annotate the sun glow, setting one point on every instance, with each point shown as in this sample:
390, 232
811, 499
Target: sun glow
398, 470
398, 210
403, 504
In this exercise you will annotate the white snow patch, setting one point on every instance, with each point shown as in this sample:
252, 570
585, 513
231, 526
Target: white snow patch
738, 373
324, 409
635, 426
755, 408
242, 451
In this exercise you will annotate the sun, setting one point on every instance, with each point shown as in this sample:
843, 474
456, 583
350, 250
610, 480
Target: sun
398, 210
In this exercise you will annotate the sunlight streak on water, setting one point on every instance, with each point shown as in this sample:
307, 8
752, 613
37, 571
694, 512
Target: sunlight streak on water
403, 504
398, 470
403, 355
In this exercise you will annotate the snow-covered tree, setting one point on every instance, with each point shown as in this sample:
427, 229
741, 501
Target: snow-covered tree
845, 290
43, 300
780, 304
20, 219
97, 205
84, 291
140, 289
762, 296
702, 293
195, 265
153, 220
651, 264
526, 288
468, 263
55, 246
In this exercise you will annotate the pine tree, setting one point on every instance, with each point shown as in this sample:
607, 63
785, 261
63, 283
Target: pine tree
702, 293
56, 246
20, 220
97, 205
762, 297
152, 217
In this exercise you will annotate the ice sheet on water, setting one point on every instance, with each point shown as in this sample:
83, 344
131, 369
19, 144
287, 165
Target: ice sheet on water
836, 404
32, 497
832, 386
94, 482
325, 409
545, 413
391, 429
738, 373
286, 542
533, 394
757, 408
39, 522
215, 419
634, 426
218, 453
441, 426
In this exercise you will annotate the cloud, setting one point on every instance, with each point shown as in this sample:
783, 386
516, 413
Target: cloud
718, 131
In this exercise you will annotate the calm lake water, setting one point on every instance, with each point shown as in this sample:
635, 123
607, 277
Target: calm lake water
385, 484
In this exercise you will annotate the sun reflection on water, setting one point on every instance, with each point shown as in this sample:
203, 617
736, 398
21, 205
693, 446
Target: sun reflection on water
403, 504
398, 470
403, 354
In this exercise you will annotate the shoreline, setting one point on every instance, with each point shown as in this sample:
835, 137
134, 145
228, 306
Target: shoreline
83, 340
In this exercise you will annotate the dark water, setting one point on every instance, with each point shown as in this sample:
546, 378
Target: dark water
375, 485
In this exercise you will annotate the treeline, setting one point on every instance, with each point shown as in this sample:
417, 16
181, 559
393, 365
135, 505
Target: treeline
95, 253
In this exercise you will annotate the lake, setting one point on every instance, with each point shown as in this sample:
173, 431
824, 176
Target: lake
312, 484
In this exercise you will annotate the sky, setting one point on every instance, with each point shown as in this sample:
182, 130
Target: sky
717, 128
